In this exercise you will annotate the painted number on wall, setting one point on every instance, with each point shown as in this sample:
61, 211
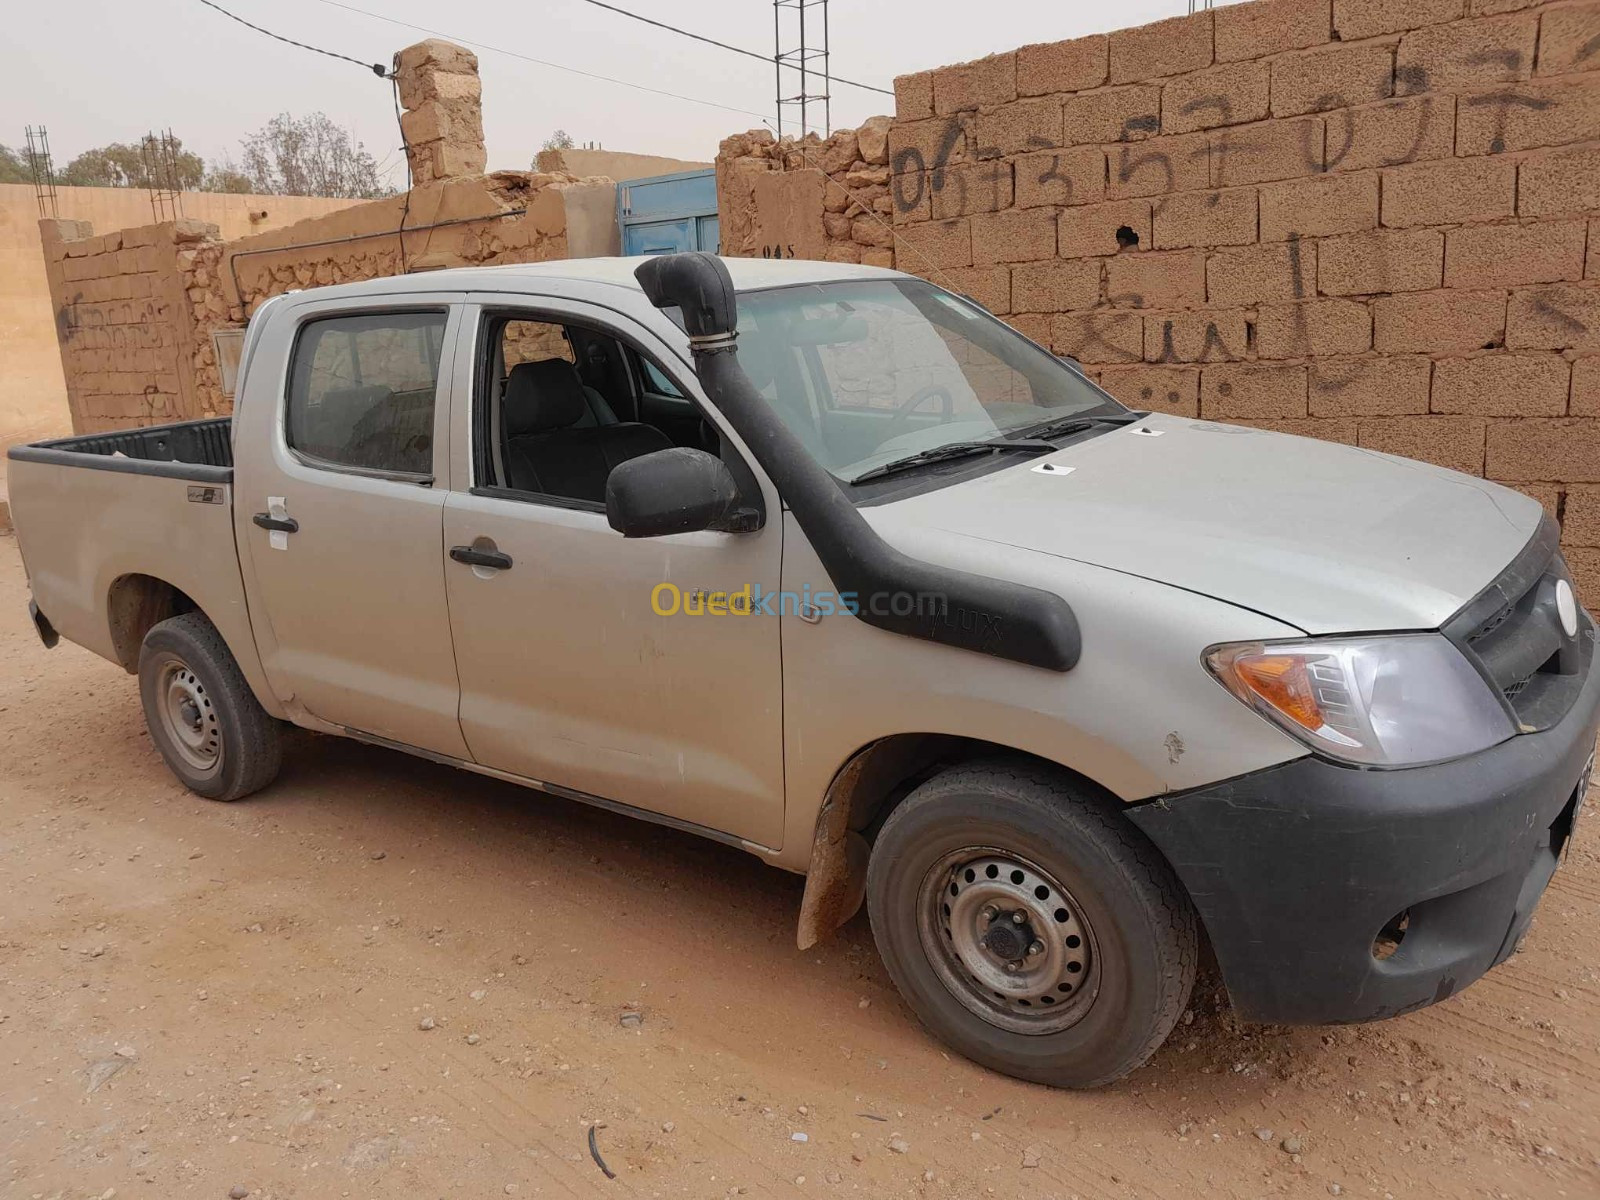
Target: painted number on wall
778, 251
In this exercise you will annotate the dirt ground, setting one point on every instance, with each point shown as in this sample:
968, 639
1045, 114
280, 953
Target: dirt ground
197, 998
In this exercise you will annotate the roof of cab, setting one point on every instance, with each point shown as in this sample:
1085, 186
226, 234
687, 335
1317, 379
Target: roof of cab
748, 274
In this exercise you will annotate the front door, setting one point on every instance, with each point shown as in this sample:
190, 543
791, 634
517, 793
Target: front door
338, 519
574, 669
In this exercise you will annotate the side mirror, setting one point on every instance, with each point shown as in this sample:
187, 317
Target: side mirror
670, 491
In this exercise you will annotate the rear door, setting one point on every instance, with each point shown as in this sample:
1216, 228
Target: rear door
576, 667
343, 430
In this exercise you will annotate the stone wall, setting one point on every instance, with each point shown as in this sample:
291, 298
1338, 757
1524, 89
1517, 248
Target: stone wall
1373, 221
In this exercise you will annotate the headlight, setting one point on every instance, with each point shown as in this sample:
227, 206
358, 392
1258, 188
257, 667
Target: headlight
1379, 701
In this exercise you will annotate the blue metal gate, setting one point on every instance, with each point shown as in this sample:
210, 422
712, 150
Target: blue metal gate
668, 213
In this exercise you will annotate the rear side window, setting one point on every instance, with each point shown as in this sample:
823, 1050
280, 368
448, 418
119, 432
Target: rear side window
362, 391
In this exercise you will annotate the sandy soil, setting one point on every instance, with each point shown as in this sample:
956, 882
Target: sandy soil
198, 997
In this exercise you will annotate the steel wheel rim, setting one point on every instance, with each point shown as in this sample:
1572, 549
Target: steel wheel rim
188, 717
1053, 982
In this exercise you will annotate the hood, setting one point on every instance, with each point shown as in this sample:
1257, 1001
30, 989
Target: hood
1326, 537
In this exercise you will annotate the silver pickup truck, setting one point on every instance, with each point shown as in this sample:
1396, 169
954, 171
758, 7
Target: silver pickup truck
829, 564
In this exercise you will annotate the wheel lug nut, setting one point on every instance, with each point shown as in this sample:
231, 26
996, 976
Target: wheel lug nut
990, 912
1013, 967
1018, 918
1036, 947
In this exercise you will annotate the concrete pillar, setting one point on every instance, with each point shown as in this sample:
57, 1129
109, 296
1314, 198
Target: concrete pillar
443, 122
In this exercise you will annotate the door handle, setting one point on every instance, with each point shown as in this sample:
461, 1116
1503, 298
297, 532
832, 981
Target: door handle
276, 524
473, 557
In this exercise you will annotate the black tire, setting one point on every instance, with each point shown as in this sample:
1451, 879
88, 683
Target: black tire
1122, 897
236, 748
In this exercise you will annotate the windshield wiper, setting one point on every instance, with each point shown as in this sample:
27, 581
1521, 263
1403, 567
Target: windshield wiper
1065, 425
954, 450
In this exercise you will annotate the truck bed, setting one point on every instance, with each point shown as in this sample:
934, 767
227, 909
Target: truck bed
197, 450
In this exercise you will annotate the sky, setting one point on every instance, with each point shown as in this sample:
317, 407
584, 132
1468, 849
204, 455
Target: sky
98, 71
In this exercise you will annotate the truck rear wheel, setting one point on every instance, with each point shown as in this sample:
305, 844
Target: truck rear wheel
1029, 925
201, 713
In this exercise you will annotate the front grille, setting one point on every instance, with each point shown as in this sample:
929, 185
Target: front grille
1513, 633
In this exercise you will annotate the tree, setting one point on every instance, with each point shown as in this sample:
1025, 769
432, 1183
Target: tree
224, 175
14, 166
120, 164
559, 140
307, 156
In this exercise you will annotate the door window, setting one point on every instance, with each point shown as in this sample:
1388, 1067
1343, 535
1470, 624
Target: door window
362, 391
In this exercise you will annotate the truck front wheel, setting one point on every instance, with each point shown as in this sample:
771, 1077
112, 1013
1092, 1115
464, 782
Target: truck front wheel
1030, 925
201, 713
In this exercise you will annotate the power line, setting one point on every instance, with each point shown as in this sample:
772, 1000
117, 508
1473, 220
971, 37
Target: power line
537, 61
766, 58
377, 69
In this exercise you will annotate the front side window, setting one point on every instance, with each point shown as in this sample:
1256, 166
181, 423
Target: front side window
362, 391
868, 371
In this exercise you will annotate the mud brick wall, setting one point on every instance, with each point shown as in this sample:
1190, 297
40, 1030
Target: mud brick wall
123, 320
1372, 221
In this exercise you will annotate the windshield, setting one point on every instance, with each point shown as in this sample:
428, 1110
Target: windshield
870, 371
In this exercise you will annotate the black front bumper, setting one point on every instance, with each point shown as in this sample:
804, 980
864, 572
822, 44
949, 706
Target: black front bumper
1297, 869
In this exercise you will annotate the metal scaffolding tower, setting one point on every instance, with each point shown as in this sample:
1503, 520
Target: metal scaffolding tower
795, 51
42, 170
1198, 6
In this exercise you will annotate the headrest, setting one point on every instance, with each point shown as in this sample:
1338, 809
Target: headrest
542, 396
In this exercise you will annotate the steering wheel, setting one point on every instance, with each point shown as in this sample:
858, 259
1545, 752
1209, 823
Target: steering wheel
896, 423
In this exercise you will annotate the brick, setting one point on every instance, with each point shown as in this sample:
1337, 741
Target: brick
1033, 326
1449, 191
1569, 39
1502, 385
1332, 78
1565, 317
1159, 165
1319, 206
1592, 270
1490, 8
1354, 19
1251, 390
1174, 390
986, 81
1498, 50
1173, 280
1264, 272
971, 188
1171, 47
1098, 337
936, 244
913, 96
1439, 322
1360, 264
1210, 336
915, 145
1585, 398
1585, 566
1020, 125
989, 286
1072, 176
1266, 151
1528, 116
1508, 255
1055, 285
1313, 327
1021, 235
1553, 449
1053, 67
1231, 95
1226, 218
1270, 27
1452, 442
1582, 524
1091, 230
1391, 133
1360, 387
1562, 182
1111, 115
